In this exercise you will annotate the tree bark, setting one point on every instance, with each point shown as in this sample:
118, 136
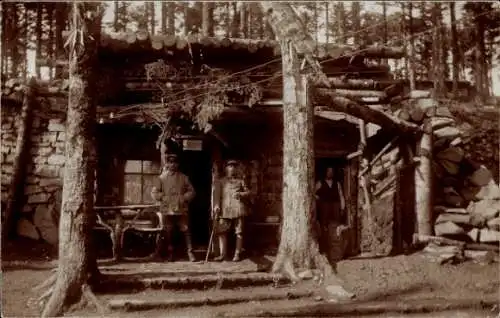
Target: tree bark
439, 87
243, 20
327, 22
385, 32
152, 21
288, 27
340, 13
411, 48
356, 20
207, 19
423, 182
480, 61
77, 263
16, 190
298, 247
163, 18
171, 18
454, 49
235, 21
60, 25
50, 44
38, 31
115, 20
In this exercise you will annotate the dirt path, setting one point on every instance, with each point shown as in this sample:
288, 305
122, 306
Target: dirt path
401, 278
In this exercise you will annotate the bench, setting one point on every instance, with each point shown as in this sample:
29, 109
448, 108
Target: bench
117, 220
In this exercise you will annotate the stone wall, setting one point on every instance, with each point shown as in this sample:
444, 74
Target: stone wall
43, 184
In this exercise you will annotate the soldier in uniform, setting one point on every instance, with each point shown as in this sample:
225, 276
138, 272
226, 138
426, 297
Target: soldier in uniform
331, 215
174, 192
231, 209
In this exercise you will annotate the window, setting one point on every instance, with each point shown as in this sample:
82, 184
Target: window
139, 179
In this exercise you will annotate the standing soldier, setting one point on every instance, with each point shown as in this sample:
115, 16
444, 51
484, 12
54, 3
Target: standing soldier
231, 209
174, 192
331, 215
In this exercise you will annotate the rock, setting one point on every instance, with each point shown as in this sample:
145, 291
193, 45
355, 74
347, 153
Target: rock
47, 182
469, 193
447, 132
488, 209
481, 177
450, 167
438, 250
318, 298
494, 224
32, 189
477, 220
443, 111
47, 171
339, 292
61, 136
453, 154
480, 256
50, 137
453, 217
307, 274
486, 236
440, 122
489, 191
56, 160
447, 228
44, 221
56, 125
38, 198
474, 234
455, 142
27, 229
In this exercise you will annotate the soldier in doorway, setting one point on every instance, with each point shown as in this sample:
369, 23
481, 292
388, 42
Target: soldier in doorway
174, 192
331, 215
231, 209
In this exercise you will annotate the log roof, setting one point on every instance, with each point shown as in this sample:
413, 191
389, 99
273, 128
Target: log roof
142, 41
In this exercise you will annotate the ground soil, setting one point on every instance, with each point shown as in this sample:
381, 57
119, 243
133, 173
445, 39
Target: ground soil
399, 278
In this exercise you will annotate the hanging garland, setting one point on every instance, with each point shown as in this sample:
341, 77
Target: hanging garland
193, 108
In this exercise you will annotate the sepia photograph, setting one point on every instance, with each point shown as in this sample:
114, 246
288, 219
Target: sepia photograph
250, 159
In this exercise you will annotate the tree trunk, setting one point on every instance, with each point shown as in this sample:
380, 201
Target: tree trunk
60, 25
163, 18
38, 31
152, 20
385, 31
115, 21
260, 24
481, 69
243, 20
297, 244
327, 22
235, 22
16, 190
439, 87
423, 182
356, 21
50, 44
340, 12
14, 49
207, 19
411, 48
171, 18
77, 263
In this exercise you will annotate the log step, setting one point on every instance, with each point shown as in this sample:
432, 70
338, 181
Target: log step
112, 283
232, 297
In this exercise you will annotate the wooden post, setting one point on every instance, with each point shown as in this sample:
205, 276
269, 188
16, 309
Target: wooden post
423, 182
216, 158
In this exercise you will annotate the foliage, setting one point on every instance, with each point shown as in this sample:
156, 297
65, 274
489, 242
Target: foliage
194, 107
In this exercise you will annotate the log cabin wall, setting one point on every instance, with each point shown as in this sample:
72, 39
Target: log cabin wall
258, 144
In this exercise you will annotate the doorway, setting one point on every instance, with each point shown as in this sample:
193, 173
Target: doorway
197, 166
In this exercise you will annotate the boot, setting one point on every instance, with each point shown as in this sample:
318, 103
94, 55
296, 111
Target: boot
222, 248
239, 246
189, 247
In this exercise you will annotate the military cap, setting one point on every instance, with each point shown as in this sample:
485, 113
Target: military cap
172, 156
